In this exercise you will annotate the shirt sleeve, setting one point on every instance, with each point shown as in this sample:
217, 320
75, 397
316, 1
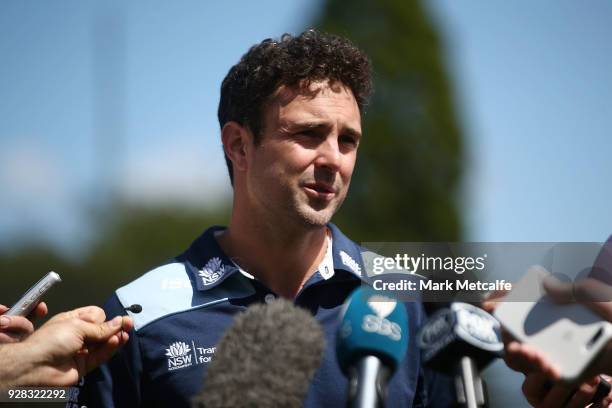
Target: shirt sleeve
116, 383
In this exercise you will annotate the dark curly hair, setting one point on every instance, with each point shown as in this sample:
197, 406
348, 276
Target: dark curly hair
291, 61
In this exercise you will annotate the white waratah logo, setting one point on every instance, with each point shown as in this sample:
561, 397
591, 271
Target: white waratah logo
350, 262
212, 271
381, 305
178, 349
179, 355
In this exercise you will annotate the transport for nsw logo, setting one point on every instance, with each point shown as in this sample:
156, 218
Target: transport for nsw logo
179, 355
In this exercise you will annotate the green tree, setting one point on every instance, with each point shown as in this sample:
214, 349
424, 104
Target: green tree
405, 186
130, 241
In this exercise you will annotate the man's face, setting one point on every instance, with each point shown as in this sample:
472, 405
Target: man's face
302, 168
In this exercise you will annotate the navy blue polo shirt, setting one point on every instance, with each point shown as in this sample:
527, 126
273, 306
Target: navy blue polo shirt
189, 303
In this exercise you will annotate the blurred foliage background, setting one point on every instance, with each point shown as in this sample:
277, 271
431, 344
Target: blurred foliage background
129, 241
405, 186
110, 158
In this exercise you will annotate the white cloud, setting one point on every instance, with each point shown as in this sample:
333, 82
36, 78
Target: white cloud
29, 172
176, 174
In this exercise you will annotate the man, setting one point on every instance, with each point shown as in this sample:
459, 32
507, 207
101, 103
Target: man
290, 116
64, 349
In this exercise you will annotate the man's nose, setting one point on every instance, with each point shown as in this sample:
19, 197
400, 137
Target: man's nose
329, 154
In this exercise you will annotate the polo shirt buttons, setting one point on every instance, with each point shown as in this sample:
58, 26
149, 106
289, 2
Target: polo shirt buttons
269, 298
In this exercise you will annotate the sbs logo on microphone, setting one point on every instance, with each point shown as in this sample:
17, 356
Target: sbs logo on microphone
383, 307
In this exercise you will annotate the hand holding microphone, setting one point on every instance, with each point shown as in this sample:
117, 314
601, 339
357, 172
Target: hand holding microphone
65, 348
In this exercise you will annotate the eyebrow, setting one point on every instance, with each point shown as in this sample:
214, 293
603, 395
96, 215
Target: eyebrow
319, 125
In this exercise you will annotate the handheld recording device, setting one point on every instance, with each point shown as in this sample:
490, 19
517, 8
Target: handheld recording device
30, 299
570, 334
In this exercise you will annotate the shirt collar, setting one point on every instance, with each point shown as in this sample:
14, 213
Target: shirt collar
206, 262
210, 267
346, 253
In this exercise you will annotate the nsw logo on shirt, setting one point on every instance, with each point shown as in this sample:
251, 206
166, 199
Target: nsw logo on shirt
212, 271
182, 355
179, 355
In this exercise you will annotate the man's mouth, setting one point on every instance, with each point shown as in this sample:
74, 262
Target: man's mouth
320, 191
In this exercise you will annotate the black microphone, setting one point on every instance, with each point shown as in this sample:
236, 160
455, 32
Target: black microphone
135, 308
462, 340
265, 359
371, 342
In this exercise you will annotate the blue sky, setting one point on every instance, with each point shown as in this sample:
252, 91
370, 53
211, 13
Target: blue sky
532, 82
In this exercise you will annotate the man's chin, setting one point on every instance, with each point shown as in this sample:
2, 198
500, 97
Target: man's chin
317, 219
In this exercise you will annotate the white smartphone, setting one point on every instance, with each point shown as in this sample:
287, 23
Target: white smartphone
30, 299
570, 335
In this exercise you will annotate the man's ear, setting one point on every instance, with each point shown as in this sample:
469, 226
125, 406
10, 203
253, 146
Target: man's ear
236, 141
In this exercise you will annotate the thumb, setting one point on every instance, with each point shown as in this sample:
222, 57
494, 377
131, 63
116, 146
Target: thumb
595, 294
100, 332
560, 292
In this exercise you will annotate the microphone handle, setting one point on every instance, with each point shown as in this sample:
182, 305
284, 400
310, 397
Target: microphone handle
367, 382
468, 384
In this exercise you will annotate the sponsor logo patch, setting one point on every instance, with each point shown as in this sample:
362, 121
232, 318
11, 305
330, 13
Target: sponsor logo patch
212, 271
183, 355
179, 355
350, 262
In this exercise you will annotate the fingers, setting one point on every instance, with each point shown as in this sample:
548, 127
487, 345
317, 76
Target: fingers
112, 334
14, 328
104, 352
585, 393
3, 309
493, 298
540, 393
526, 359
593, 293
101, 332
92, 314
40, 310
560, 292
556, 397
534, 388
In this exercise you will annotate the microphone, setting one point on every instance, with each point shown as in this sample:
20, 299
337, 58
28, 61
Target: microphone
372, 340
462, 340
242, 372
135, 308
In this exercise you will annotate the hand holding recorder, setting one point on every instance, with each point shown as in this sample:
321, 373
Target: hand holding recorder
562, 345
65, 348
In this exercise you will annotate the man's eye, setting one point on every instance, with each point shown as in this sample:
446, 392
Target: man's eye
348, 140
308, 133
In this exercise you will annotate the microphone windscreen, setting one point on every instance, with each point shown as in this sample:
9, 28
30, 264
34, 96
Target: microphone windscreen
266, 358
372, 325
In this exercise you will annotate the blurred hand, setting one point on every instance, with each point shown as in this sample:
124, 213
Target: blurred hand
539, 386
595, 295
70, 345
592, 293
540, 393
16, 328
493, 298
